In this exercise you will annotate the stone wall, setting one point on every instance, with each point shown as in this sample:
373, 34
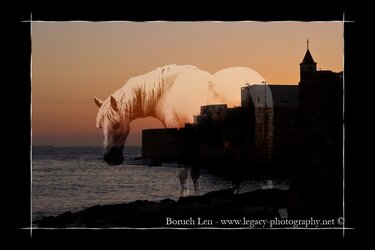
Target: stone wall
161, 144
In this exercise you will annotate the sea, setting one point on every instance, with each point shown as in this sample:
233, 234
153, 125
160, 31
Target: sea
73, 178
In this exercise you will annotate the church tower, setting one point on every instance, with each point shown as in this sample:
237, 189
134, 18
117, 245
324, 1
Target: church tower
307, 65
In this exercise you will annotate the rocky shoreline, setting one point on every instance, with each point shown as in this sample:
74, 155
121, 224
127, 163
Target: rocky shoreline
198, 210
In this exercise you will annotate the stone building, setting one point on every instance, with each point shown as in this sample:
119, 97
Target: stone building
315, 174
296, 130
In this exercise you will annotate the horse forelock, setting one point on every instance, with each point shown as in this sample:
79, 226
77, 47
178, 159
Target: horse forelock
106, 111
113, 116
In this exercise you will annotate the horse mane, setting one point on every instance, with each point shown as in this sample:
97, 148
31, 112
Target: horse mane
113, 116
140, 93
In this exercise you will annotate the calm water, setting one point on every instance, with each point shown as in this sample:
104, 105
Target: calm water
73, 178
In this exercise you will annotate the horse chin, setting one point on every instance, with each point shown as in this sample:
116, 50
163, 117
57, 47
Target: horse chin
114, 156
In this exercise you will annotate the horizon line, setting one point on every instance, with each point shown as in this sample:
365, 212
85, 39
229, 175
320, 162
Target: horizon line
56, 146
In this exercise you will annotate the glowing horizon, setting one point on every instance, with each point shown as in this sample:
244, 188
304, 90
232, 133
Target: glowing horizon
72, 62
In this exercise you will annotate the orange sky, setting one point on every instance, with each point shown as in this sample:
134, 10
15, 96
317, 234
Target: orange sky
74, 61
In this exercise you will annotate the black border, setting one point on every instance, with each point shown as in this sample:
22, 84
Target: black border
21, 198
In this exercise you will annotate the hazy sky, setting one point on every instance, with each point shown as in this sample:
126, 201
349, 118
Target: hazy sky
74, 61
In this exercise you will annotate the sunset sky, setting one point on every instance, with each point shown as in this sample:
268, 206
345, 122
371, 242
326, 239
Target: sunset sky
74, 61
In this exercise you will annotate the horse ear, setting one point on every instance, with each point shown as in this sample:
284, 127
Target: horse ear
114, 103
98, 102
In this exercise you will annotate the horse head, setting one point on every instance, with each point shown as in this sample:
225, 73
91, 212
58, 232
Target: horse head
115, 128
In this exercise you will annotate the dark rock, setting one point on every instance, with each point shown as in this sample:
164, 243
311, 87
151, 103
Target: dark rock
62, 220
207, 198
225, 193
143, 213
267, 197
167, 201
258, 212
222, 205
154, 164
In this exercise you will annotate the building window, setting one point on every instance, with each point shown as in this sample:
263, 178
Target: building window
258, 99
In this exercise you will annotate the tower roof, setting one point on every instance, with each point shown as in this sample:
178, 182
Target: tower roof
308, 58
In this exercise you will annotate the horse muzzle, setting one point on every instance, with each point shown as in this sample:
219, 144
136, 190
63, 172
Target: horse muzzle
114, 156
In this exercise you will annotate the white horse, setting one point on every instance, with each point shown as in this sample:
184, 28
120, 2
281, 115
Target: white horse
173, 94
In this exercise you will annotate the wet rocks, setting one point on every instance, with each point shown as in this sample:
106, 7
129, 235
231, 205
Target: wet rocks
143, 213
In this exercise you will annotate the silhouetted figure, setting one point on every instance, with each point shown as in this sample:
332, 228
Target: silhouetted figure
183, 177
237, 169
195, 176
236, 134
236, 186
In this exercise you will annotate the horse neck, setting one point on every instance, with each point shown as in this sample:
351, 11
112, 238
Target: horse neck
139, 102
145, 95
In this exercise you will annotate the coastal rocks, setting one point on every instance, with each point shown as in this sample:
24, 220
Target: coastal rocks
142, 213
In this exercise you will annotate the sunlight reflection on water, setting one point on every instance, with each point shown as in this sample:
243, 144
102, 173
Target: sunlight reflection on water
70, 179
